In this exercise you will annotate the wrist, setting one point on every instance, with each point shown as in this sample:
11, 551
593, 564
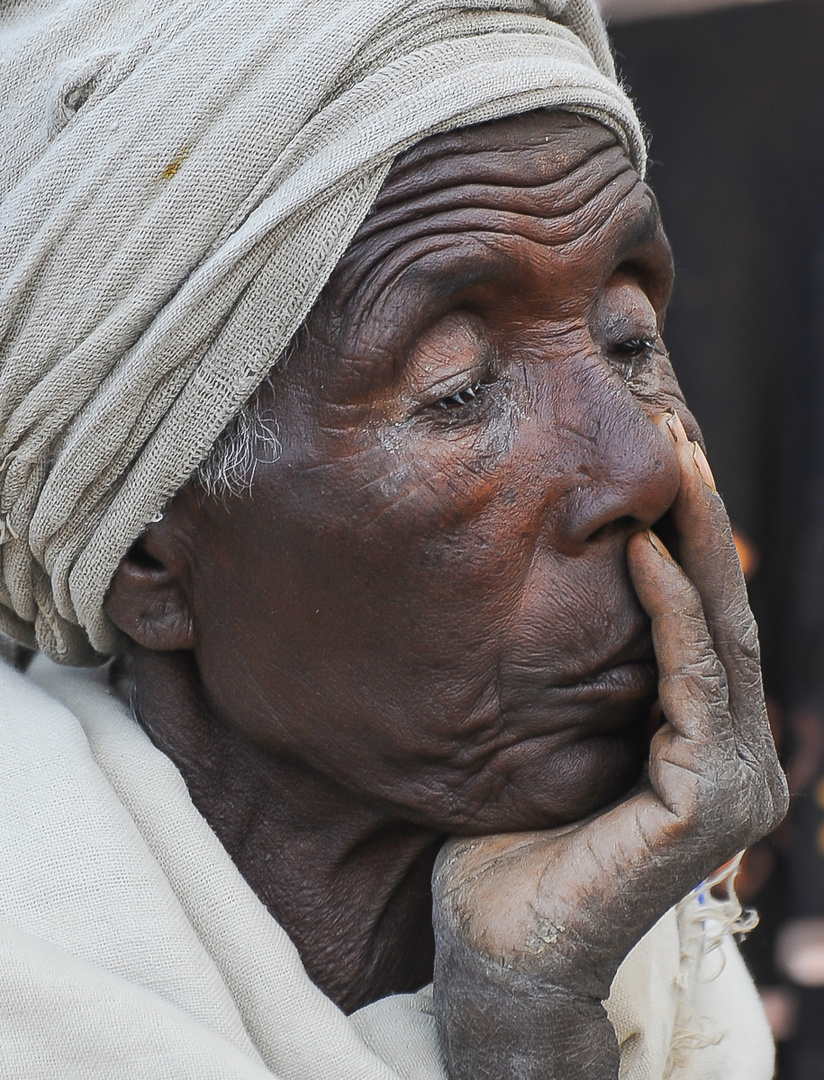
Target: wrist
496, 1022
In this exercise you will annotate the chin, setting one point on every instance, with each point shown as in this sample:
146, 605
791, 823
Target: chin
545, 790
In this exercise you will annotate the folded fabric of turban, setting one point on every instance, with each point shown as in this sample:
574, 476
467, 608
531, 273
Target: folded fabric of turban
178, 178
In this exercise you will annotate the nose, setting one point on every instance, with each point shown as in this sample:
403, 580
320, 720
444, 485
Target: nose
621, 472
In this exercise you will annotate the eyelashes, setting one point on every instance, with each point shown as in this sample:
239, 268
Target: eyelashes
630, 357
467, 396
633, 354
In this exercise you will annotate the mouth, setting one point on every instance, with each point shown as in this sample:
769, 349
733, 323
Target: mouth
567, 747
627, 681
618, 692
631, 667
573, 748
614, 699
610, 697
629, 675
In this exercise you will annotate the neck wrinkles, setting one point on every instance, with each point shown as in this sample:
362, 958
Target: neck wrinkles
349, 885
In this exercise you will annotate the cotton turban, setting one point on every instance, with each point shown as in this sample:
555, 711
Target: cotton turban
178, 179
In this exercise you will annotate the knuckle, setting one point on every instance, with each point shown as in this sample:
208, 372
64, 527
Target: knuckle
705, 668
763, 808
702, 680
749, 646
781, 797
737, 801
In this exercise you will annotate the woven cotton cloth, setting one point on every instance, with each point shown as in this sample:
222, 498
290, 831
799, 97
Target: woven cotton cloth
131, 947
178, 178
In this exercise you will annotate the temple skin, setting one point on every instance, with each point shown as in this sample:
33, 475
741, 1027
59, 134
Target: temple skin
440, 612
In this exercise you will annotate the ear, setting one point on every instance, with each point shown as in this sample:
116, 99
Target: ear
148, 598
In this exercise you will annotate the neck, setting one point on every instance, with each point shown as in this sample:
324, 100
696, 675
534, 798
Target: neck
348, 883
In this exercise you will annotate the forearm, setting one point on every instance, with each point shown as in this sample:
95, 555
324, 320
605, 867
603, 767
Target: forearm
497, 1024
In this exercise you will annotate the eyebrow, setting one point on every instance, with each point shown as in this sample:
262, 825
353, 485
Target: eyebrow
435, 288
468, 261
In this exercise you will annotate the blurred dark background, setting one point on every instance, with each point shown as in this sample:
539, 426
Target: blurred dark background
733, 100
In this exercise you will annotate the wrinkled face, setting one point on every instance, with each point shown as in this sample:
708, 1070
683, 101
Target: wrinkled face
425, 599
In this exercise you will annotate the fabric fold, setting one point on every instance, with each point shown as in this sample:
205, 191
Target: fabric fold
130, 945
179, 179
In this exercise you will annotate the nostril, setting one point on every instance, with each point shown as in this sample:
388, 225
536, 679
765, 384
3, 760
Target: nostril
664, 529
623, 525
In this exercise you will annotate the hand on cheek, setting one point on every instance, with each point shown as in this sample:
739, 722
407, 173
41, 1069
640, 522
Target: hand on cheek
714, 755
537, 924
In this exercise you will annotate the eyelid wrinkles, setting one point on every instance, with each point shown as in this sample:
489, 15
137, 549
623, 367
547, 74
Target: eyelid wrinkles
426, 279
452, 353
453, 384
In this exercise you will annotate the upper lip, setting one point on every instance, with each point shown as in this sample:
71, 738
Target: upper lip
636, 649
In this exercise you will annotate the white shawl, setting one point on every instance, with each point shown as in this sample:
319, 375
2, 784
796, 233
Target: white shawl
132, 949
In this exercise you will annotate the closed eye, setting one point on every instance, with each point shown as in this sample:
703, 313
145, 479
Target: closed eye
634, 346
463, 397
632, 354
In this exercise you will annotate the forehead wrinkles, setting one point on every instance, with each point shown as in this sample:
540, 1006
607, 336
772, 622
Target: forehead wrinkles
532, 181
568, 215
549, 145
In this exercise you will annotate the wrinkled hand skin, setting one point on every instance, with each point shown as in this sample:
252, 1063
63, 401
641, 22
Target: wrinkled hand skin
532, 927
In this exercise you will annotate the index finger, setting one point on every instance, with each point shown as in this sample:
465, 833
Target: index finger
707, 553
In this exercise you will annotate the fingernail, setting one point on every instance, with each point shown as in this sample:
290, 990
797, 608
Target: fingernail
703, 466
676, 427
656, 543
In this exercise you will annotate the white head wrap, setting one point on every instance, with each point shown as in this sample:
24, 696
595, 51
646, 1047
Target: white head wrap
178, 179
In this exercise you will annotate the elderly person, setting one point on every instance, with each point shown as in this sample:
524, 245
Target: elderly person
333, 399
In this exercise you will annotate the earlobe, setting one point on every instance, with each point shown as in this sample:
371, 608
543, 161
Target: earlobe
147, 598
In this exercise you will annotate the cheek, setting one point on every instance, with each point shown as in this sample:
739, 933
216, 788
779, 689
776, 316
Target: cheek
402, 676
392, 508
362, 591
374, 600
